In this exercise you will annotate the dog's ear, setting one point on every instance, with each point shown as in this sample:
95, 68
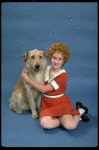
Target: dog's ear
26, 54
45, 54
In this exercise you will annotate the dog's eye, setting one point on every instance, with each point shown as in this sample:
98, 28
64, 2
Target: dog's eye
33, 57
40, 57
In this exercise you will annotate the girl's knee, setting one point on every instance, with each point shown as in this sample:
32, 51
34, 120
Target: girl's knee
45, 124
68, 122
69, 126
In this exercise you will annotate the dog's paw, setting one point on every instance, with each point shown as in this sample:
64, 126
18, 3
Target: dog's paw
35, 115
19, 111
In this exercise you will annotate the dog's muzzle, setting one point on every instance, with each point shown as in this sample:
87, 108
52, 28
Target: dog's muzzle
37, 67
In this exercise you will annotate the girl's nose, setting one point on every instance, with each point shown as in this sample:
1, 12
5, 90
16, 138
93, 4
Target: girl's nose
56, 61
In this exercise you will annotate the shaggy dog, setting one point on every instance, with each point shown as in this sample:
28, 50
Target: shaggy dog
25, 95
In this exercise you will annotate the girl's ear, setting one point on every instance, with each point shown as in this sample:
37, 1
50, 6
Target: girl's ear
45, 54
63, 64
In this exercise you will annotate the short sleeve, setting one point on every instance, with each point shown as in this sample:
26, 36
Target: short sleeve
59, 81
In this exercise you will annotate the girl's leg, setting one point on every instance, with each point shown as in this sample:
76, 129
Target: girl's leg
76, 118
49, 122
70, 122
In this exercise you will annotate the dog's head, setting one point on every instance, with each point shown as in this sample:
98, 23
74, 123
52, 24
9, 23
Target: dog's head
35, 60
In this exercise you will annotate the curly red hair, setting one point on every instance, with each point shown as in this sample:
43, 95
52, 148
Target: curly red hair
59, 48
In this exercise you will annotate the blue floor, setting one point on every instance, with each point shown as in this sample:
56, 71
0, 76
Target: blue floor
26, 26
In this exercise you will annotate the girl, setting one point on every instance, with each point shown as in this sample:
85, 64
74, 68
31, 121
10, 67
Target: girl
57, 108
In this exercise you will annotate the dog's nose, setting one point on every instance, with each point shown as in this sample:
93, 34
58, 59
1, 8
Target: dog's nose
37, 66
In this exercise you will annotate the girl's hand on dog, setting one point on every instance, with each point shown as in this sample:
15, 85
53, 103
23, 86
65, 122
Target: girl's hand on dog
24, 75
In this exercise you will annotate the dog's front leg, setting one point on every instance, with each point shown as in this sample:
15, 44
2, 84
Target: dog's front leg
32, 105
34, 113
39, 103
33, 108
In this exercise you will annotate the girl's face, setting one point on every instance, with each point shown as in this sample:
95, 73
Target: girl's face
57, 60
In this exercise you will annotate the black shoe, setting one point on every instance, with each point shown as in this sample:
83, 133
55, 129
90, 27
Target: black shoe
79, 105
84, 118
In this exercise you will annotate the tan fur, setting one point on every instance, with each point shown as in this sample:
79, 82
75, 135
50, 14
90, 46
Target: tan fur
25, 95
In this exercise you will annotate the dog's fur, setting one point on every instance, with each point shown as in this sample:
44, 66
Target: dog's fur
25, 95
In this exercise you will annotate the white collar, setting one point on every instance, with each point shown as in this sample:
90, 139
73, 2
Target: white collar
54, 76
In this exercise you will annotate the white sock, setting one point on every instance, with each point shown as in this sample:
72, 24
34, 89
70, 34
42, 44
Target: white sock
81, 111
80, 119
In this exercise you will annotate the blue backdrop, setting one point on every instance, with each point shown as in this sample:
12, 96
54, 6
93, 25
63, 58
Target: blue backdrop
26, 26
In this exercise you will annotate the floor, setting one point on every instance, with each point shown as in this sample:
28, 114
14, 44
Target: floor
26, 26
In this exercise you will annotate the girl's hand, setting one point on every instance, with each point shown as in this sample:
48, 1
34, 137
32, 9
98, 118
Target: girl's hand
24, 75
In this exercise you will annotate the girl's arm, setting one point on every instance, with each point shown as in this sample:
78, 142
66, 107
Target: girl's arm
41, 88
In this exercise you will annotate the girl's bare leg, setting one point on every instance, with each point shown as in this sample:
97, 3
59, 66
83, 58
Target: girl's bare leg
70, 122
76, 118
49, 122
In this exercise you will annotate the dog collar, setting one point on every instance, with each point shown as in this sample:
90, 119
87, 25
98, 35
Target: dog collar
25, 60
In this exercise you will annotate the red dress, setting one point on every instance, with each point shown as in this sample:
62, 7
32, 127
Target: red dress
55, 102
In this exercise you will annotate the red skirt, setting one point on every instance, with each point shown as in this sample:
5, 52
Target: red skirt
57, 107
